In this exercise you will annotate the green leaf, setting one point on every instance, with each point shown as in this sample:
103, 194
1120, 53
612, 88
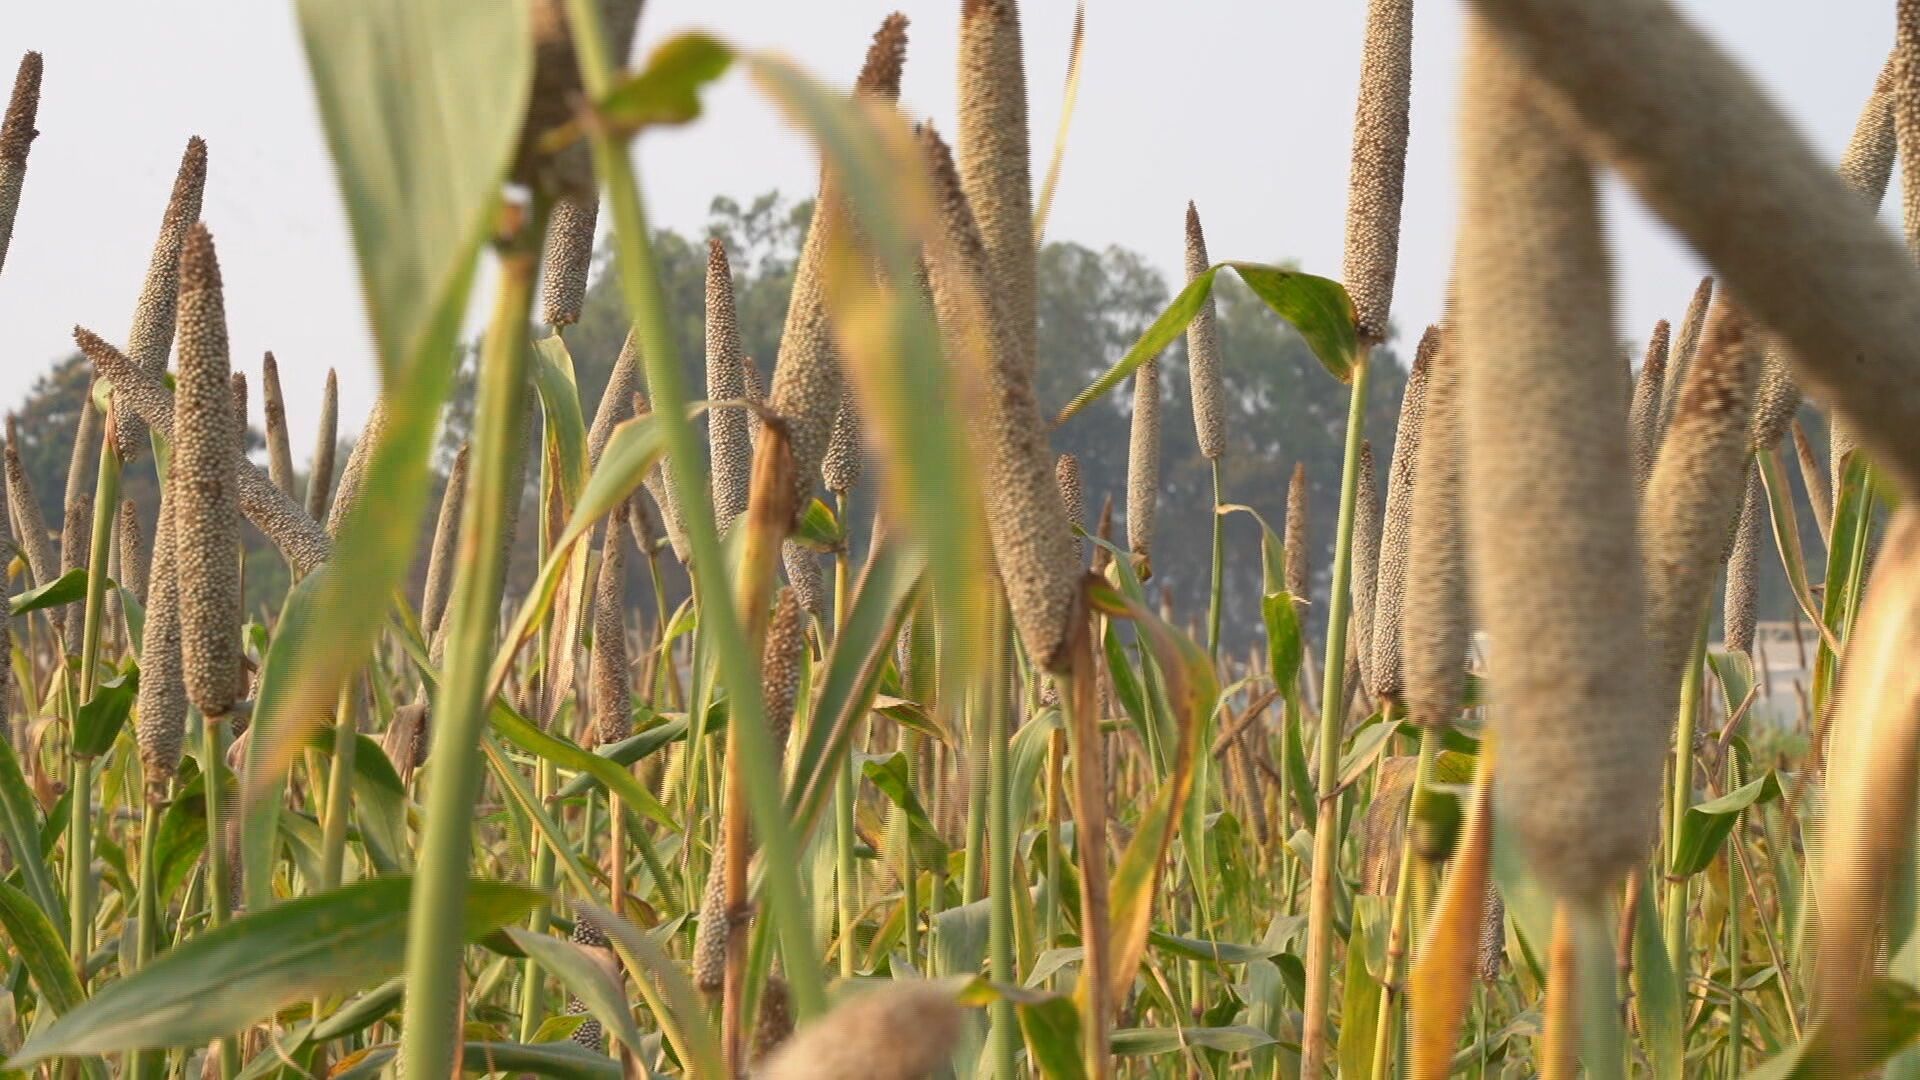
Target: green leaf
1708, 824
1317, 307
676, 1007
522, 733
633, 748
1659, 1001
1147, 1042
1368, 744
1273, 550
65, 589
20, 830
605, 999
560, 1060
1890, 1022
819, 529
667, 90
1051, 1029
1286, 643
38, 946
560, 403
1360, 1008
100, 720
889, 773
422, 104
1786, 530
226, 979
1218, 952
282, 724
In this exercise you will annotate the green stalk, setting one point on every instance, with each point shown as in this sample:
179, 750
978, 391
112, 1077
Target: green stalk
106, 506
217, 869
1219, 567
739, 667
1736, 1014
973, 870
532, 990
1326, 833
333, 837
847, 870
434, 939
1682, 797
1004, 1035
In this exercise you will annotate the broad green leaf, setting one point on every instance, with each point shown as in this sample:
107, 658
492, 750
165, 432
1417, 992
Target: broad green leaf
1215, 952
1708, 824
888, 773
1317, 307
604, 998
1360, 1006
560, 1060
667, 90
100, 720
560, 403
1286, 643
1051, 1028
635, 747
1147, 1042
282, 724
226, 979
1368, 744
65, 589
20, 830
422, 104
1659, 1000
34, 941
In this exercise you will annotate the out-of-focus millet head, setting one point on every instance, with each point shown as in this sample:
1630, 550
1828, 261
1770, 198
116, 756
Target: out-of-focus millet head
279, 448
1203, 353
994, 161
780, 665
1378, 175
550, 104
202, 479
1437, 610
611, 685
154, 314
1906, 112
1026, 519
902, 1030
802, 564
1556, 562
1643, 413
17, 133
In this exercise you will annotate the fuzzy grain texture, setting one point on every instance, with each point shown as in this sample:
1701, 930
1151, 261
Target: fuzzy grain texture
160, 712
994, 151
904, 1030
320, 474
1296, 539
566, 258
133, 568
1364, 577
807, 380
201, 481
1377, 179
85, 457
298, 538
1073, 498
36, 540
729, 445
1203, 353
1437, 611
441, 557
1143, 460
1396, 528
840, 469
76, 544
1033, 544
359, 460
279, 447
1706, 149
1643, 414
802, 565
1556, 563
1682, 351
1693, 498
608, 676
17, 133
616, 401
1741, 603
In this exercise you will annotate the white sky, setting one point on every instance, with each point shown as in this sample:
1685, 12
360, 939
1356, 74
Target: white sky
1242, 106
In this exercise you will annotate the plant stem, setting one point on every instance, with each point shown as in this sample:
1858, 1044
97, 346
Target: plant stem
333, 838
1004, 1035
430, 1034
847, 870
106, 507
1326, 833
1401, 919
1682, 797
739, 668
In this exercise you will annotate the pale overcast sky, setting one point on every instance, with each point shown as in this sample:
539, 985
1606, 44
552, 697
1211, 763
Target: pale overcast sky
1242, 106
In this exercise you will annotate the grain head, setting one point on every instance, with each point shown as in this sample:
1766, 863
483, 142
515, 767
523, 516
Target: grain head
1295, 537
1549, 491
1203, 353
616, 400
201, 481
133, 568
901, 1031
1143, 460
160, 711
1643, 415
440, 559
326, 444
16, 138
568, 255
1396, 529
729, 445
780, 665
1378, 175
1437, 610
803, 576
608, 676
1363, 579
1073, 497
840, 469
35, 538
995, 171
1743, 569
151, 337
774, 1025
1026, 519
359, 460
279, 448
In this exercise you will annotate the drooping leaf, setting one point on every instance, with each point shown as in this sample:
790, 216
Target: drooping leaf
1707, 825
65, 589
225, 979
1660, 1003
101, 718
33, 940
604, 998
20, 830
667, 89
553, 378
